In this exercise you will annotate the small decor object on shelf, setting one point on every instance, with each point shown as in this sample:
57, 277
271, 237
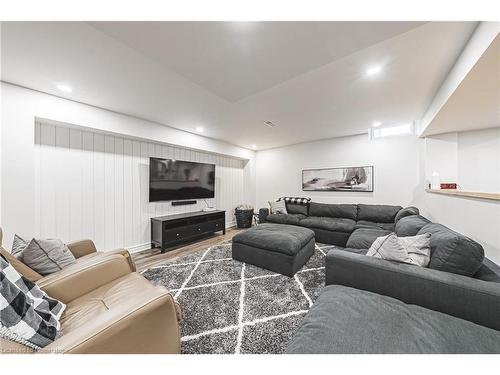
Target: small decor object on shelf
338, 179
244, 216
448, 185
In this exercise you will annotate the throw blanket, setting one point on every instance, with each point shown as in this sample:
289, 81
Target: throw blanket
295, 200
28, 315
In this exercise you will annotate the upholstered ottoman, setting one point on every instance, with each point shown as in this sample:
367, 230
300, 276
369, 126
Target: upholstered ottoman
276, 247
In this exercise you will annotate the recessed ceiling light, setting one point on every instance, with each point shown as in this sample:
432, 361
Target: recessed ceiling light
199, 129
254, 146
64, 88
376, 124
373, 71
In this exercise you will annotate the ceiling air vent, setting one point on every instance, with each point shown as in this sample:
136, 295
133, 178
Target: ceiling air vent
270, 124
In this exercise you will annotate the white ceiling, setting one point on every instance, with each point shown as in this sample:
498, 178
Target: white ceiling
475, 104
308, 78
238, 59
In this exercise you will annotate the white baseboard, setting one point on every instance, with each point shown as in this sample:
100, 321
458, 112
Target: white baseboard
138, 248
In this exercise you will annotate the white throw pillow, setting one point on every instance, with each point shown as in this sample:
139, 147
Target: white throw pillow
418, 248
278, 207
412, 250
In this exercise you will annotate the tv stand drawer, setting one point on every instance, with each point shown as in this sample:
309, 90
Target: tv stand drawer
173, 230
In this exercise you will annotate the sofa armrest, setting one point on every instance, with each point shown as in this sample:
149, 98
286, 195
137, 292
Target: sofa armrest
126, 254
75, 281
461, 296
263, 214
81, 248
148, 328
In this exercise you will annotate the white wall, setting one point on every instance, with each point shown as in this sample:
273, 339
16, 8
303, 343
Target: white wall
396, 161
472, 159
478, 160
441, 155
20, 108
95, 185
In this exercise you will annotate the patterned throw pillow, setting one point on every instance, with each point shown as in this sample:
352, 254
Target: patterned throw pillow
412, 250
47, 256
278, 207
296, 200
27, 314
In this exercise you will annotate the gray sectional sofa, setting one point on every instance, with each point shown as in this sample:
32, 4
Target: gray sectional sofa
371, 305
334, 223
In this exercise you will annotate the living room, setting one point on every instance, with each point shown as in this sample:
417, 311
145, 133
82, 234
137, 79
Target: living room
250, 187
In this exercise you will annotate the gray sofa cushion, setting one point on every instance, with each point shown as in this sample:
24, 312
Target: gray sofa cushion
347, 211
329, 223
378, 213
489, 271
407, 211
452, 251
410, 225
354, 250
371, 224
285, 239
347, 320
293, 208
363, 238
292, 219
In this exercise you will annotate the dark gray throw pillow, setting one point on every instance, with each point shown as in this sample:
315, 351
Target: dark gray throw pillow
452, 251
294, 208
410, 225
46, 256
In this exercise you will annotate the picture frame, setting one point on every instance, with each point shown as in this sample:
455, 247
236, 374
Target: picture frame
352, 179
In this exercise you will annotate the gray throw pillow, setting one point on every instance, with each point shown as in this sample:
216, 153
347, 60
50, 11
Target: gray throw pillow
388, 247
18, 245
418, 248
47, 256
412, 250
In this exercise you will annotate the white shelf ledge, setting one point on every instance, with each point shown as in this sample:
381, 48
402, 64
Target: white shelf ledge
469, 194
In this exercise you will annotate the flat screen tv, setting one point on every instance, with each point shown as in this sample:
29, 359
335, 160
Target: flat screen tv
178, 179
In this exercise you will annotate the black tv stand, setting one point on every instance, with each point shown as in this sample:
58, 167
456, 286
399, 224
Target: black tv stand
172, 230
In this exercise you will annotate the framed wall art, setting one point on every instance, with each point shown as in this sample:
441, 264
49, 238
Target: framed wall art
338, 179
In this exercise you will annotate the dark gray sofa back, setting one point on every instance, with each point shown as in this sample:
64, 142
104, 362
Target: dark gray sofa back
294, 208
378, 213
410, 225
453, 252
347, 211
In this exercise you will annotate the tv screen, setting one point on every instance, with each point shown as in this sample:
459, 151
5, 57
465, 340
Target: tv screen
177, 179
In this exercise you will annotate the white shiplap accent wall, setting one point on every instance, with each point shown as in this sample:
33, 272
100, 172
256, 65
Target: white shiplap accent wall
95, 185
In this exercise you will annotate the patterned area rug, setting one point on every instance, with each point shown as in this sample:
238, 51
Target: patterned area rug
234, 307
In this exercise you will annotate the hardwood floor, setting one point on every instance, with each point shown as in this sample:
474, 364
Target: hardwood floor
149, 258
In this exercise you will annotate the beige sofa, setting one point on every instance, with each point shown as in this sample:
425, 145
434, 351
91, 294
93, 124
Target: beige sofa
110, 307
